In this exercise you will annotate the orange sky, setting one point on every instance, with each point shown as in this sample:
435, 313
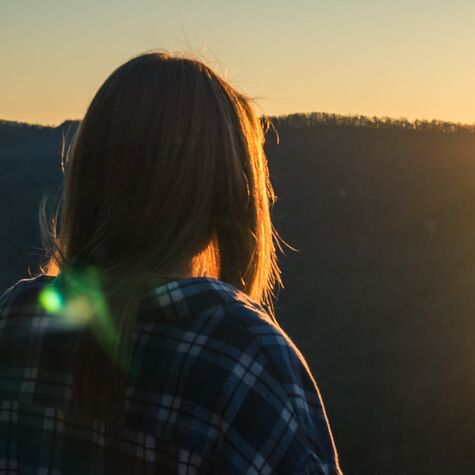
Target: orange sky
387, 58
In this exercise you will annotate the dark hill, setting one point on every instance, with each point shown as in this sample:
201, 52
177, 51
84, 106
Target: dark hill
380, 295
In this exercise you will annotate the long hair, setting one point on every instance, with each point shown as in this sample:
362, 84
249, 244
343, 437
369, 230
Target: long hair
166, 177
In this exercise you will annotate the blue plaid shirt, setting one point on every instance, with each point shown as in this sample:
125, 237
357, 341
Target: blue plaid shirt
222, 390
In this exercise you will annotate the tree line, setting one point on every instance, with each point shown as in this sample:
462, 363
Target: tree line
319, 119
17, 133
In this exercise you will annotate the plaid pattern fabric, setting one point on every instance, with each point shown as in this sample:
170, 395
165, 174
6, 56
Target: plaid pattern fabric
220, 389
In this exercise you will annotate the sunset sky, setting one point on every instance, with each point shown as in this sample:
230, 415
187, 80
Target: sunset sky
388, 58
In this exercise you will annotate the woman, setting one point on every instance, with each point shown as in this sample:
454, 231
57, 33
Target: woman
149, 342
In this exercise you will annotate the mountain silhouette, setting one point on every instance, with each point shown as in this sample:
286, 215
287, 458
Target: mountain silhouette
380, 295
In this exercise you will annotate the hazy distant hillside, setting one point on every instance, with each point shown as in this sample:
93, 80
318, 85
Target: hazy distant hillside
380, 295
29, 169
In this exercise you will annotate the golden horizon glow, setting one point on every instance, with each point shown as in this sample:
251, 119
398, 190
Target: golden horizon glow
394, 59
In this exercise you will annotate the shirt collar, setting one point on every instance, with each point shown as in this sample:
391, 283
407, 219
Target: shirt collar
184, 298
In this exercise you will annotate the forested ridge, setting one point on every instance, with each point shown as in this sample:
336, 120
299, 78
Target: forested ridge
379, 295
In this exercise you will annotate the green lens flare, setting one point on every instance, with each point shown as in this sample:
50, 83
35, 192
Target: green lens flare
78, 300
51, 300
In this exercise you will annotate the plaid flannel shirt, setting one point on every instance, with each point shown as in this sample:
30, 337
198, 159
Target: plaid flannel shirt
221, 389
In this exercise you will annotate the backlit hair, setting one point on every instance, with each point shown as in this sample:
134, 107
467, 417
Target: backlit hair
166, 177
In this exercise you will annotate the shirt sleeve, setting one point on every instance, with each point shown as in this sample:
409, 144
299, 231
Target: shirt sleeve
273, 417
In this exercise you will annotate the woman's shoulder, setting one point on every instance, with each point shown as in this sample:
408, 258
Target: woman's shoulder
283, 358
245, 331
247, 316
225, 319
24, 291
242, 319
268, 392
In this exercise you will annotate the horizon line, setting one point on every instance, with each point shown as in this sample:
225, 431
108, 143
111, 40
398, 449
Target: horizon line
283, 116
